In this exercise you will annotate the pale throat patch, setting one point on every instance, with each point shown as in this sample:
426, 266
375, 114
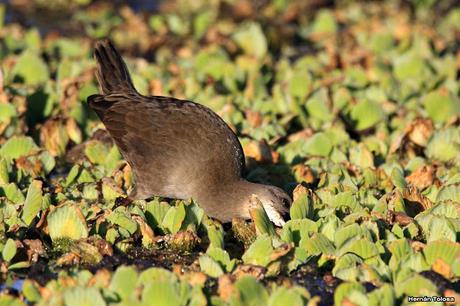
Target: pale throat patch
272, 213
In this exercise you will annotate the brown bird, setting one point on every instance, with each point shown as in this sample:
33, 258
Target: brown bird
177, 148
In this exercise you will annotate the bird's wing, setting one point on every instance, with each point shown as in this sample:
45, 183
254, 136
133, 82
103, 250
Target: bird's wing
172, 145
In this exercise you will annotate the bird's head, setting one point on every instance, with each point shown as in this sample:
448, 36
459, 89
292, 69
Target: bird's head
274, 200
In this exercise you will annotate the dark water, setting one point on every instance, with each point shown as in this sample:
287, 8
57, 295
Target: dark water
16, 285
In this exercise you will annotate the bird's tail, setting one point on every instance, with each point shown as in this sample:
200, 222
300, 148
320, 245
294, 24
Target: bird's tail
112, 73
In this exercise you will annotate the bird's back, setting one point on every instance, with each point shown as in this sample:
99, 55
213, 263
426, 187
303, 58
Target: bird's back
176, 148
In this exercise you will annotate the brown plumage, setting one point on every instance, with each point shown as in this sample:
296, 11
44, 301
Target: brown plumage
177, 148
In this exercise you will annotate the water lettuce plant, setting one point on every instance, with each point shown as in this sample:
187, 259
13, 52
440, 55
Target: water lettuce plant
353, 108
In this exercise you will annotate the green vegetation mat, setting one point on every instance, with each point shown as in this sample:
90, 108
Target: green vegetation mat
353, 108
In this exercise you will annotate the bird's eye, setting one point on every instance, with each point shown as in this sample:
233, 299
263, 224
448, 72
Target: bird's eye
286, 203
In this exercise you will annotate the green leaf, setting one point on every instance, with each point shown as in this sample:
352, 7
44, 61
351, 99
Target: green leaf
48, 161
67, 222
261, 220
9, 250
193, 215
19, 265
449, 192
317, 244
251, 39
416, 286
72, 175
31, 68
363, 248
215, 235
383, 296
123, 281
446, 250
318, 145
124, 220
409, 67
18, 146
13, 193
96, 152
296, 230
285, 296
4, 173
346, 234
210, 266
324, 23
397, 178
302, 207
299, 84
249, 292
222, 257
162, 293
259, 251
174, 218
366, 114
156, 274
33, 202
441, 105
30, 291
80, 296
444, 145
344, 290
7, 111
201, 23
317, 107
155, 212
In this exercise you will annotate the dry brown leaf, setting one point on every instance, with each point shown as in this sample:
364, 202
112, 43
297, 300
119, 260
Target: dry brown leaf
442, 267
53, 136
225, 286
259, 151
101, 279
347, 302
146, 230
194, 278
419, 131
421, 178
254, 118
102, 245
255, 271
68, 259
417, 246
415, 201
304, 173
243, 231
34, 249
301, 135
299, 190
281, 251
454, 294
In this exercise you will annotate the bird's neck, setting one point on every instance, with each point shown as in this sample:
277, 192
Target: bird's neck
228, 201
